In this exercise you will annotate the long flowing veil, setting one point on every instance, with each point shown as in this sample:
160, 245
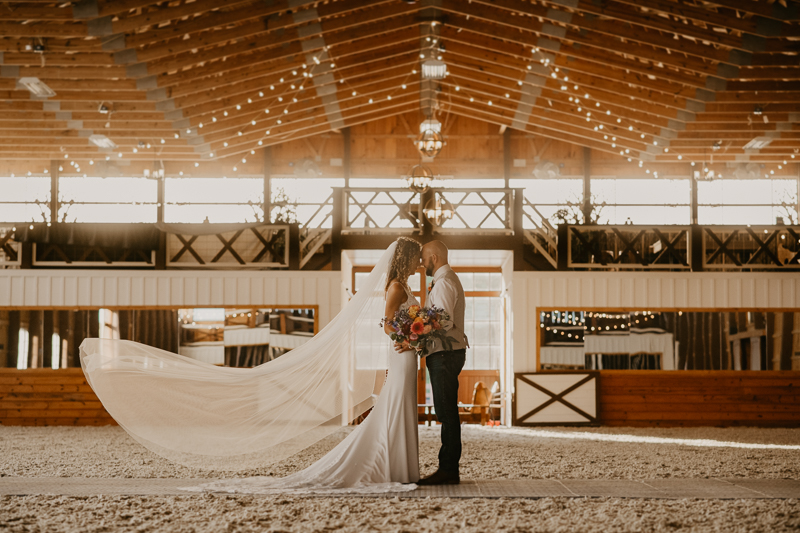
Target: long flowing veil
221, 418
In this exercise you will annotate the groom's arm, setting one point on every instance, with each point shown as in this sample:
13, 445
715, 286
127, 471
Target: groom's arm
446, 297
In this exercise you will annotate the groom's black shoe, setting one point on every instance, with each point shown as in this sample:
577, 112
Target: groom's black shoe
440, 478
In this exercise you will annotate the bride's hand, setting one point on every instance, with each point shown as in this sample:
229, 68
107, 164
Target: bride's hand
401, 347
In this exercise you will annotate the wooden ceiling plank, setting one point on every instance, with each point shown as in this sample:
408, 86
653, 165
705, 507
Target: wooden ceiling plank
507, 107
697, 14
606, 28
569, 65
34, 13
607, 80
602, 61
210, 20
552, 44
776, 11
362, 30
351, 120
308, 103
241, 63
126, 24
309, 107
274, 24
72, 73
346, 28
107, 8
43, 29
98, 59
267, 76
237, 93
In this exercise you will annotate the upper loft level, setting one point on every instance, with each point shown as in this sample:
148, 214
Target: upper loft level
299, 204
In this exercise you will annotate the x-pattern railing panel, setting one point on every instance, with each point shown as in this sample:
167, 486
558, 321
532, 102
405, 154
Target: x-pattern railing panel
629, 247
750, 247
310, 215
380, 209
477, 209
253, 247
9, 248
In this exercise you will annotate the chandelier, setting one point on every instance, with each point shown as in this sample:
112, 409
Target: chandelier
438, 210
430, 141
434, 69
420, 178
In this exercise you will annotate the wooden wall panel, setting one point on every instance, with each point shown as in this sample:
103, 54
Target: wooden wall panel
44, 397
685, 291
699, 398
70, 289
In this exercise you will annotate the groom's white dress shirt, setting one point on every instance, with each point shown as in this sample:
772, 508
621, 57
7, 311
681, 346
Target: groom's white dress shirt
448, 294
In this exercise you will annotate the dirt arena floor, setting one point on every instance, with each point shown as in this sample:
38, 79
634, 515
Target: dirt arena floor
557, 453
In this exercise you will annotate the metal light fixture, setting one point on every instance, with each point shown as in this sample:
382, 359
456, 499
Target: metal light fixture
429, 143
420, 178
438, 210
434, 69
102, 141
757, 143
36, 87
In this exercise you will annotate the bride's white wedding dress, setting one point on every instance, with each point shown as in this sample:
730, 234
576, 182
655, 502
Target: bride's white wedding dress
237, 419
379, 455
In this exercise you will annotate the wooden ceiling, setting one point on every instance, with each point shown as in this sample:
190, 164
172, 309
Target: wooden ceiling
192, 80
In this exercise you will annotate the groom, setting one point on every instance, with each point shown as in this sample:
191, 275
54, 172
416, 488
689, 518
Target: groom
444, 365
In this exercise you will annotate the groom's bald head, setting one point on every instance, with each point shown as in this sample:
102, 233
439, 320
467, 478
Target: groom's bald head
434, 255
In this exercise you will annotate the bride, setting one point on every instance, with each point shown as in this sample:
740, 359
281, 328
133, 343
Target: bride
224, 418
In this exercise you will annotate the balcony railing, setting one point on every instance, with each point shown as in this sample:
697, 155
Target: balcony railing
746, 247
253, 247
10, 249
380, 210
371, 218
629, 247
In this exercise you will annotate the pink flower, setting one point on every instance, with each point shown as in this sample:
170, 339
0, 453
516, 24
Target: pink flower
426, 329
413, 336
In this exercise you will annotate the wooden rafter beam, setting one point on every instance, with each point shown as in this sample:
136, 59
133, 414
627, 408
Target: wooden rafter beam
773, 10
708, 16
342, 30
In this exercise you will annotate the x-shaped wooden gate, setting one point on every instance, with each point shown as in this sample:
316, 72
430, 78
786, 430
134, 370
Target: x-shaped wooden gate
247, 247
626, 247
541, 398
7, 246
763, 252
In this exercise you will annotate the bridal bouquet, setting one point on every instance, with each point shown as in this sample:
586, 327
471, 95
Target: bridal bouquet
417, 326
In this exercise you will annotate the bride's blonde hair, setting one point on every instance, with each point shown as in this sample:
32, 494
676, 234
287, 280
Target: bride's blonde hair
403, 264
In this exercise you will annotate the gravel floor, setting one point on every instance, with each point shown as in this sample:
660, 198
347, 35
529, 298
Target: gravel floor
209, 513
488, 454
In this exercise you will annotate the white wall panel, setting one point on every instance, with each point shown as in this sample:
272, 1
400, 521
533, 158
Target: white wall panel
636, 291
85, 288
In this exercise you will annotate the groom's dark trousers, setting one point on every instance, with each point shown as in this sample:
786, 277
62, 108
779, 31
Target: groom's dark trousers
443, 368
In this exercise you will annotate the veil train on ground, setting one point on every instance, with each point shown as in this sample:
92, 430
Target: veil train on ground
222, 418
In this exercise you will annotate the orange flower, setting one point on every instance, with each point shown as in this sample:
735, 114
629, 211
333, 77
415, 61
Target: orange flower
413, 310
417, 326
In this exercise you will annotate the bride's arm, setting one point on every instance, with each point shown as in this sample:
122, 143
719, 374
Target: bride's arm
395, 297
